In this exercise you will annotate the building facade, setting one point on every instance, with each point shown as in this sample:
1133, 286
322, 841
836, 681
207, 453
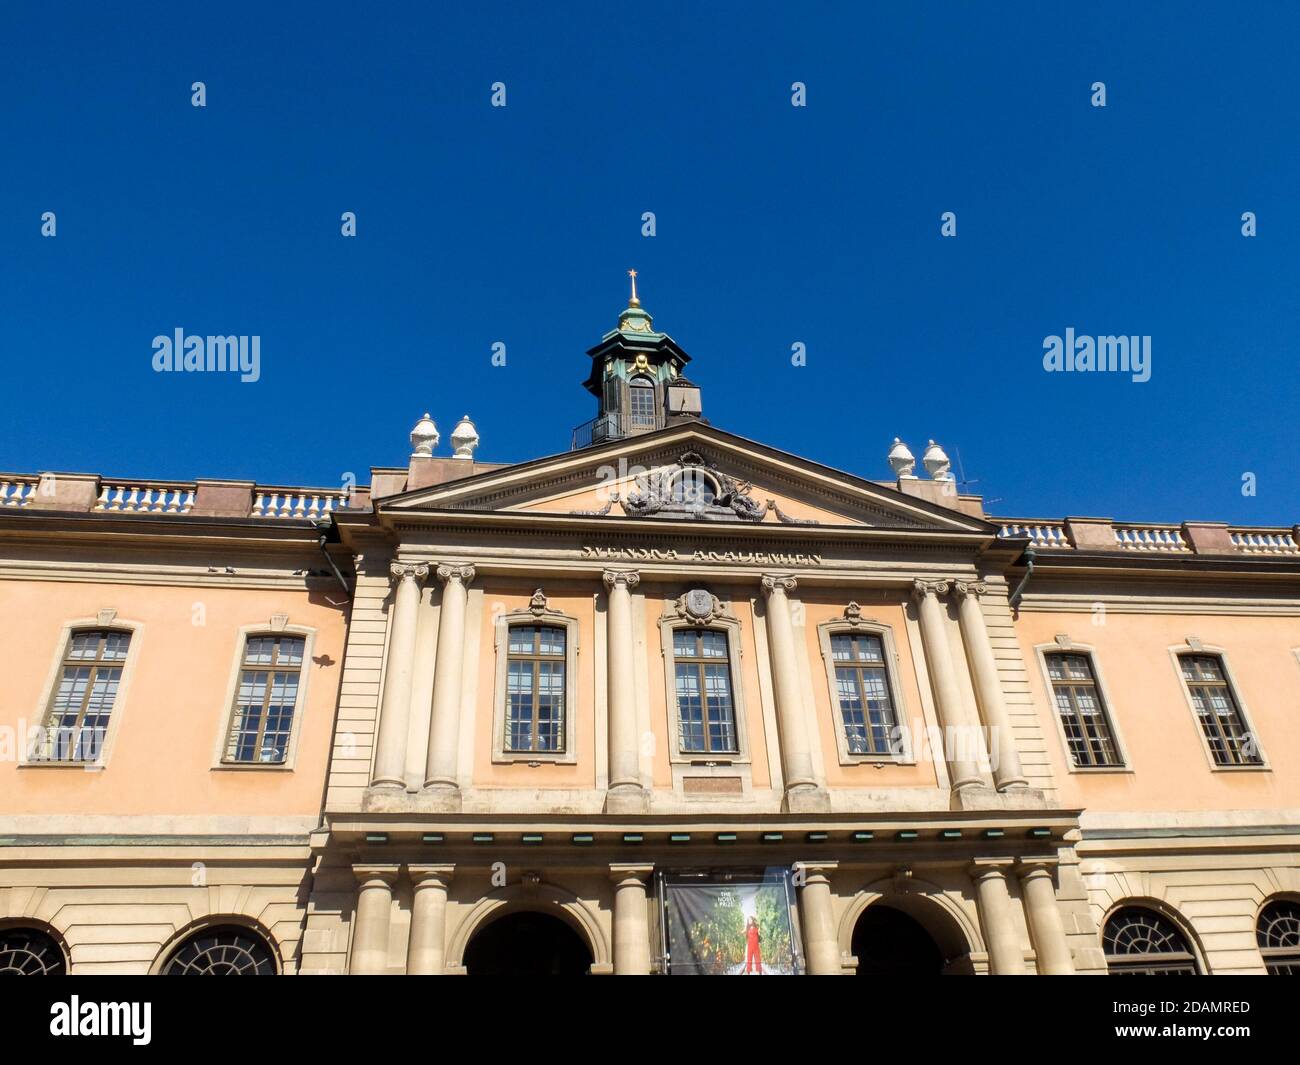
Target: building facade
670, 701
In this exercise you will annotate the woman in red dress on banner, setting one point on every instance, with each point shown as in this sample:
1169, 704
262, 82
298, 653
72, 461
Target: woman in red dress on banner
753, 953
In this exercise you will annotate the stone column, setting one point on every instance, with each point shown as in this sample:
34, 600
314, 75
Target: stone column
820, 947
394, 717
444, 726
988, 688
425, 952
1045, 926
625, 794
958, 745
631, 923
801, 790
1000, 933
374, 908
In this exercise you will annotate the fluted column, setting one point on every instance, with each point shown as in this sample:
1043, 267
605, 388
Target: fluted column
394, 717
444, 725
988, 688
801, 790
426, 952
631, 923
1046, 928
1006, 958
625, 793
943, 677
820, 947
371, 917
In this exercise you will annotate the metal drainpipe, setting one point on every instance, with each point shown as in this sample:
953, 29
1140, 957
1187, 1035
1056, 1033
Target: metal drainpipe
322, 537
1029, 572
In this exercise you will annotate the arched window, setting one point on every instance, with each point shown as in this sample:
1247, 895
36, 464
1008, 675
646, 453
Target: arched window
261, 721
223, 951
693, 486
706, 715
1278, 934
77, 719
641, 403
28, 952
1141, 942
535, 688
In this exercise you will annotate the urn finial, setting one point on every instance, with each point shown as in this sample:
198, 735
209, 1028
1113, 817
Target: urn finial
424, 437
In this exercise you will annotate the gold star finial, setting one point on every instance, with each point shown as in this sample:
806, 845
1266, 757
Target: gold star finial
633, 302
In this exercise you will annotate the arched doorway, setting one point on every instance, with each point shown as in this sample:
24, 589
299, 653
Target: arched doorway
527, 944
907, 935
889, 943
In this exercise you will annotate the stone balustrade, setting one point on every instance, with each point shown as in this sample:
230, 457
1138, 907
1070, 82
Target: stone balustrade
312, 503
1157, 538
17, 490
148, 498
1265, 541
87, 492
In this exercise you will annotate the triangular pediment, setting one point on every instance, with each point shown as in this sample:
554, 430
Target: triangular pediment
688, 473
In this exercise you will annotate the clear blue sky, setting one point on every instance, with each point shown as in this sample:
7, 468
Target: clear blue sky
776, 225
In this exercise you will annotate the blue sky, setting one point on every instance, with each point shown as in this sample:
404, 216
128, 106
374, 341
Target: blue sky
775, 225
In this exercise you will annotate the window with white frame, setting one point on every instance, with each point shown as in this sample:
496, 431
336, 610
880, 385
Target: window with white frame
536, 679
1218, 711
266, 700
706, 713
864, 693
77, 718
1082, 710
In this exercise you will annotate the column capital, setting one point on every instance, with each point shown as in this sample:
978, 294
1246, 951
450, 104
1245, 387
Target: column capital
628, 578
1034, 865
430, 875
922, 588
973, 589
409, 571
783, 583
622, 872
369, 873
983, 868
455, 571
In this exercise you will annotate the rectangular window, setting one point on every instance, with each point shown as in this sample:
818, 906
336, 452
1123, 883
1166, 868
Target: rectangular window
863, 692
535, 681
1217, 711
262, 719
702, 672
1082, 711
83, 699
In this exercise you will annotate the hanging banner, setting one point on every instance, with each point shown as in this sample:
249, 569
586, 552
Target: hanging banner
734, 928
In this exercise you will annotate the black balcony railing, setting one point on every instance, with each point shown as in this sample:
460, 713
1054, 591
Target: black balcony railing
597, 431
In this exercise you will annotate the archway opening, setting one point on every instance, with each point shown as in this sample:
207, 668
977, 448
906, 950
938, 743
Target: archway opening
222, 950
1142, 942
29, 952
527, 944
889, 942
